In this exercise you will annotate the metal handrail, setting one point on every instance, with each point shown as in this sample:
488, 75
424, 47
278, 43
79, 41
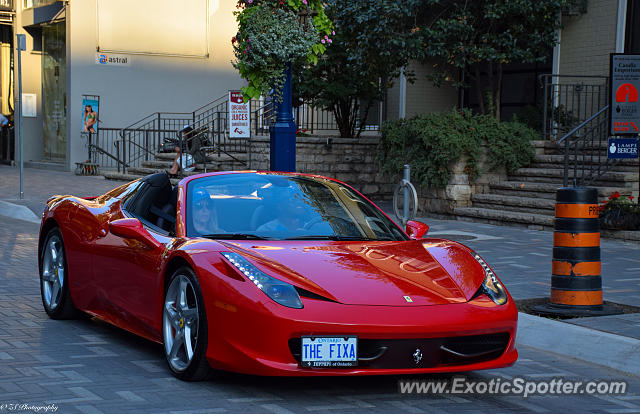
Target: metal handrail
583, 124
216, 101
597, 167
108, 154
568, 99
551, 75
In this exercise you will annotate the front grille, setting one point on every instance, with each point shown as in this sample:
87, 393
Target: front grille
435, 352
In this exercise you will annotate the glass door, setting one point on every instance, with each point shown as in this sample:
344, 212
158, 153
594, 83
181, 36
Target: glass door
54, 88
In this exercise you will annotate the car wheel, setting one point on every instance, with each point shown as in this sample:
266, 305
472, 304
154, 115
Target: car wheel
54, 278
184, 327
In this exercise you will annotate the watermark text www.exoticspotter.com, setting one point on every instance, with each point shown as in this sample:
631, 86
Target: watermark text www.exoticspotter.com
514, 386
24, 407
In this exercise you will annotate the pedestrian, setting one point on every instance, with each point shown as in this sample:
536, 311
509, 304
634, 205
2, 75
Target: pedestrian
184, 161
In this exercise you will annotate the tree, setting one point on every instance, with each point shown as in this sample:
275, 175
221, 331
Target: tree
374, 39
463, 35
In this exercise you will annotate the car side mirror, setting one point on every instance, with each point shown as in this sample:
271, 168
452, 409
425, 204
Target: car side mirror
416, 229
132, 228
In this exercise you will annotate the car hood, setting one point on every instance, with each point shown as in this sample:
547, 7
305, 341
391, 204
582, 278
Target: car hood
406, 273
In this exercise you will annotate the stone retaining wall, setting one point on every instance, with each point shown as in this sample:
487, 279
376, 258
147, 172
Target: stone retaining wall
354, 162
350, 160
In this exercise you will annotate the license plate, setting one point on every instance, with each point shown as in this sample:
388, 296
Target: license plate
329, 351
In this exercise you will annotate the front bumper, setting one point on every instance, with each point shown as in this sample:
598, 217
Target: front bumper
259, 336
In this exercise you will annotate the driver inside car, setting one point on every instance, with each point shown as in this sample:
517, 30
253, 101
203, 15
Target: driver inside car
205, 217
293, 217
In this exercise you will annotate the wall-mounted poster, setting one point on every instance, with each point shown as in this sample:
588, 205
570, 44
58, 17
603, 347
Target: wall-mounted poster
90, 111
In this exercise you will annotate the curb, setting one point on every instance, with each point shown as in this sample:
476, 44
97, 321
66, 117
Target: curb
625, 235
590, 345
18, 212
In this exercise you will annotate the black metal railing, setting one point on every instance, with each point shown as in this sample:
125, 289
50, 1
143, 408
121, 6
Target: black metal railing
585, 150
309, 119
570, 100
128, 147
103, 149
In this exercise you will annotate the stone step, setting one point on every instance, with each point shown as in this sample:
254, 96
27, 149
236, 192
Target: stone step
495, 216
551, 161
142, 171
559, 160
111, 175
212, 156
627, 168
211, 165
544, 190
546, 175
165, 165
513, 203
559, 181
559, 173
543, 144
553, 148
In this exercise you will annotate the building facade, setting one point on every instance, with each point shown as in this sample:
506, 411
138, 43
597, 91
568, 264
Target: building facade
591, 31
131, 59
128, 59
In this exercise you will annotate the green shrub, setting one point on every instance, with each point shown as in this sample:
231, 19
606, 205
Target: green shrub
431, 143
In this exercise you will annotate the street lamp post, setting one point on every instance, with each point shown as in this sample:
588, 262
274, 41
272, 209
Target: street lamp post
283, 131
21, 43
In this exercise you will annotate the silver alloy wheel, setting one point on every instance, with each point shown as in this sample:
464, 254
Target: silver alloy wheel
180, 323
53, 272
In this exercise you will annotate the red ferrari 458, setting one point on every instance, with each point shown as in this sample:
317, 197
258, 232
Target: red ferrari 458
273, 274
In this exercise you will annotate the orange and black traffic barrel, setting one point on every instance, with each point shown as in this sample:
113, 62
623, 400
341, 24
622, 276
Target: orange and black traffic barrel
576, 268
576, 279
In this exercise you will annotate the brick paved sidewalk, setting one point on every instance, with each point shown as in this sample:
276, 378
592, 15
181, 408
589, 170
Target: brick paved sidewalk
87, 366
520, 257
39, 185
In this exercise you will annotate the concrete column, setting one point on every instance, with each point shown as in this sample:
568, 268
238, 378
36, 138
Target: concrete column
402, 101
621, 25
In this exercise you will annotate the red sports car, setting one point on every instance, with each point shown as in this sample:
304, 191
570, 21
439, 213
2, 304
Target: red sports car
273, 274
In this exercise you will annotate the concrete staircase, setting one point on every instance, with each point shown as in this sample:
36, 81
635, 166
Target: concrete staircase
527, 197
164, 160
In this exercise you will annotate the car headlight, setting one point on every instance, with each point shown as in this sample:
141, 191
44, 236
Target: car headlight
491, 286
281, 292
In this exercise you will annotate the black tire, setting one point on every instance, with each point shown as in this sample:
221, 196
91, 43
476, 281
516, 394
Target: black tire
195, 368
56, 301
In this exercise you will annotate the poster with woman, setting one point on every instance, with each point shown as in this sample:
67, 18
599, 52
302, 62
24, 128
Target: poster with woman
90, 111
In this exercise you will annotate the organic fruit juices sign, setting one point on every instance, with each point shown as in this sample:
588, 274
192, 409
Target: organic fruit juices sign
239, 116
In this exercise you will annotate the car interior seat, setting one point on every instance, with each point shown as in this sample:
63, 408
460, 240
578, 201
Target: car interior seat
265, 212
167, 214
150, 205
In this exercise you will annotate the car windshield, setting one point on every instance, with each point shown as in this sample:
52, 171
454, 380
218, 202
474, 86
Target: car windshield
267, 206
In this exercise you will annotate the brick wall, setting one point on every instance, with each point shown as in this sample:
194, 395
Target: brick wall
587, 39
422, 97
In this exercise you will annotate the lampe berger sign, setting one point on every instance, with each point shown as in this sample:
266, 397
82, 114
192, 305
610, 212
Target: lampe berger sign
623, 148
624, 87
239, 116
112, 59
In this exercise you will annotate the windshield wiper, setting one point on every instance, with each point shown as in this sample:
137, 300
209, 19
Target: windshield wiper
338, 238
235, 236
